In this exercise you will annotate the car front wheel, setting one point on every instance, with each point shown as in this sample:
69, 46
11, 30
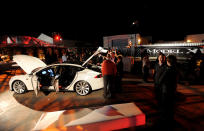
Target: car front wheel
82, 88
19, 87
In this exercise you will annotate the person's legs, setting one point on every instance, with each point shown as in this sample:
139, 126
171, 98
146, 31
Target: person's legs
118, 82
107, 86
105, 78
111, 85
56, 85
157, 93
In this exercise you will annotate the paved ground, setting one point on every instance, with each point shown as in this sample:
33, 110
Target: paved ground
189, 112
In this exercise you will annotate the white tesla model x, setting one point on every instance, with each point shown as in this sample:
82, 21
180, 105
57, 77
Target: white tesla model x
56, 77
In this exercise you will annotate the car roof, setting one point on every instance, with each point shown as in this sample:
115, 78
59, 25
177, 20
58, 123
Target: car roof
66, 64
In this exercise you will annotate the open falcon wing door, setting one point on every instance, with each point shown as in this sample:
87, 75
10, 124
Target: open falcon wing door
99, 50
28, 64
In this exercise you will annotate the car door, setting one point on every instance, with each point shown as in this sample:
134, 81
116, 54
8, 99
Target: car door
69, 73
44, 79
35, 84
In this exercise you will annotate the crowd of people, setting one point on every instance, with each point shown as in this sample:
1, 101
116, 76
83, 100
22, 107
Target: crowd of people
165, 73
51, 55
71, 55
112, 71
165, 78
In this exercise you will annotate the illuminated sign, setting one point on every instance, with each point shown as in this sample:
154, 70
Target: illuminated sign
177, 51
166, 51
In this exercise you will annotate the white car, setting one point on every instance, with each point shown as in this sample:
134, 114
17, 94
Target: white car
56, 77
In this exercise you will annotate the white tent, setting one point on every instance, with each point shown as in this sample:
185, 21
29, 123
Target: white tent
45, 38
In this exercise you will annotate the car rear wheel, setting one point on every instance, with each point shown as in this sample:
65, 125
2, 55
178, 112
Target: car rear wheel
82, 88
19, 87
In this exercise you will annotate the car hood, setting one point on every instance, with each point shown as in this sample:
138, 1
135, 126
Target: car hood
99, 50
28, 63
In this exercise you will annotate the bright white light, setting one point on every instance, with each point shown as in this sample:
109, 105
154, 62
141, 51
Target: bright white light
139, 40
189, 41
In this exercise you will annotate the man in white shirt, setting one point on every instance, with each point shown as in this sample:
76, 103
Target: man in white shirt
64, 57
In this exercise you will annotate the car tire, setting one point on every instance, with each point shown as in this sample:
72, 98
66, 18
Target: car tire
19, 87
82, 88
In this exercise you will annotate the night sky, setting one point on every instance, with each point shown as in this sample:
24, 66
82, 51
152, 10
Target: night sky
168, 21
